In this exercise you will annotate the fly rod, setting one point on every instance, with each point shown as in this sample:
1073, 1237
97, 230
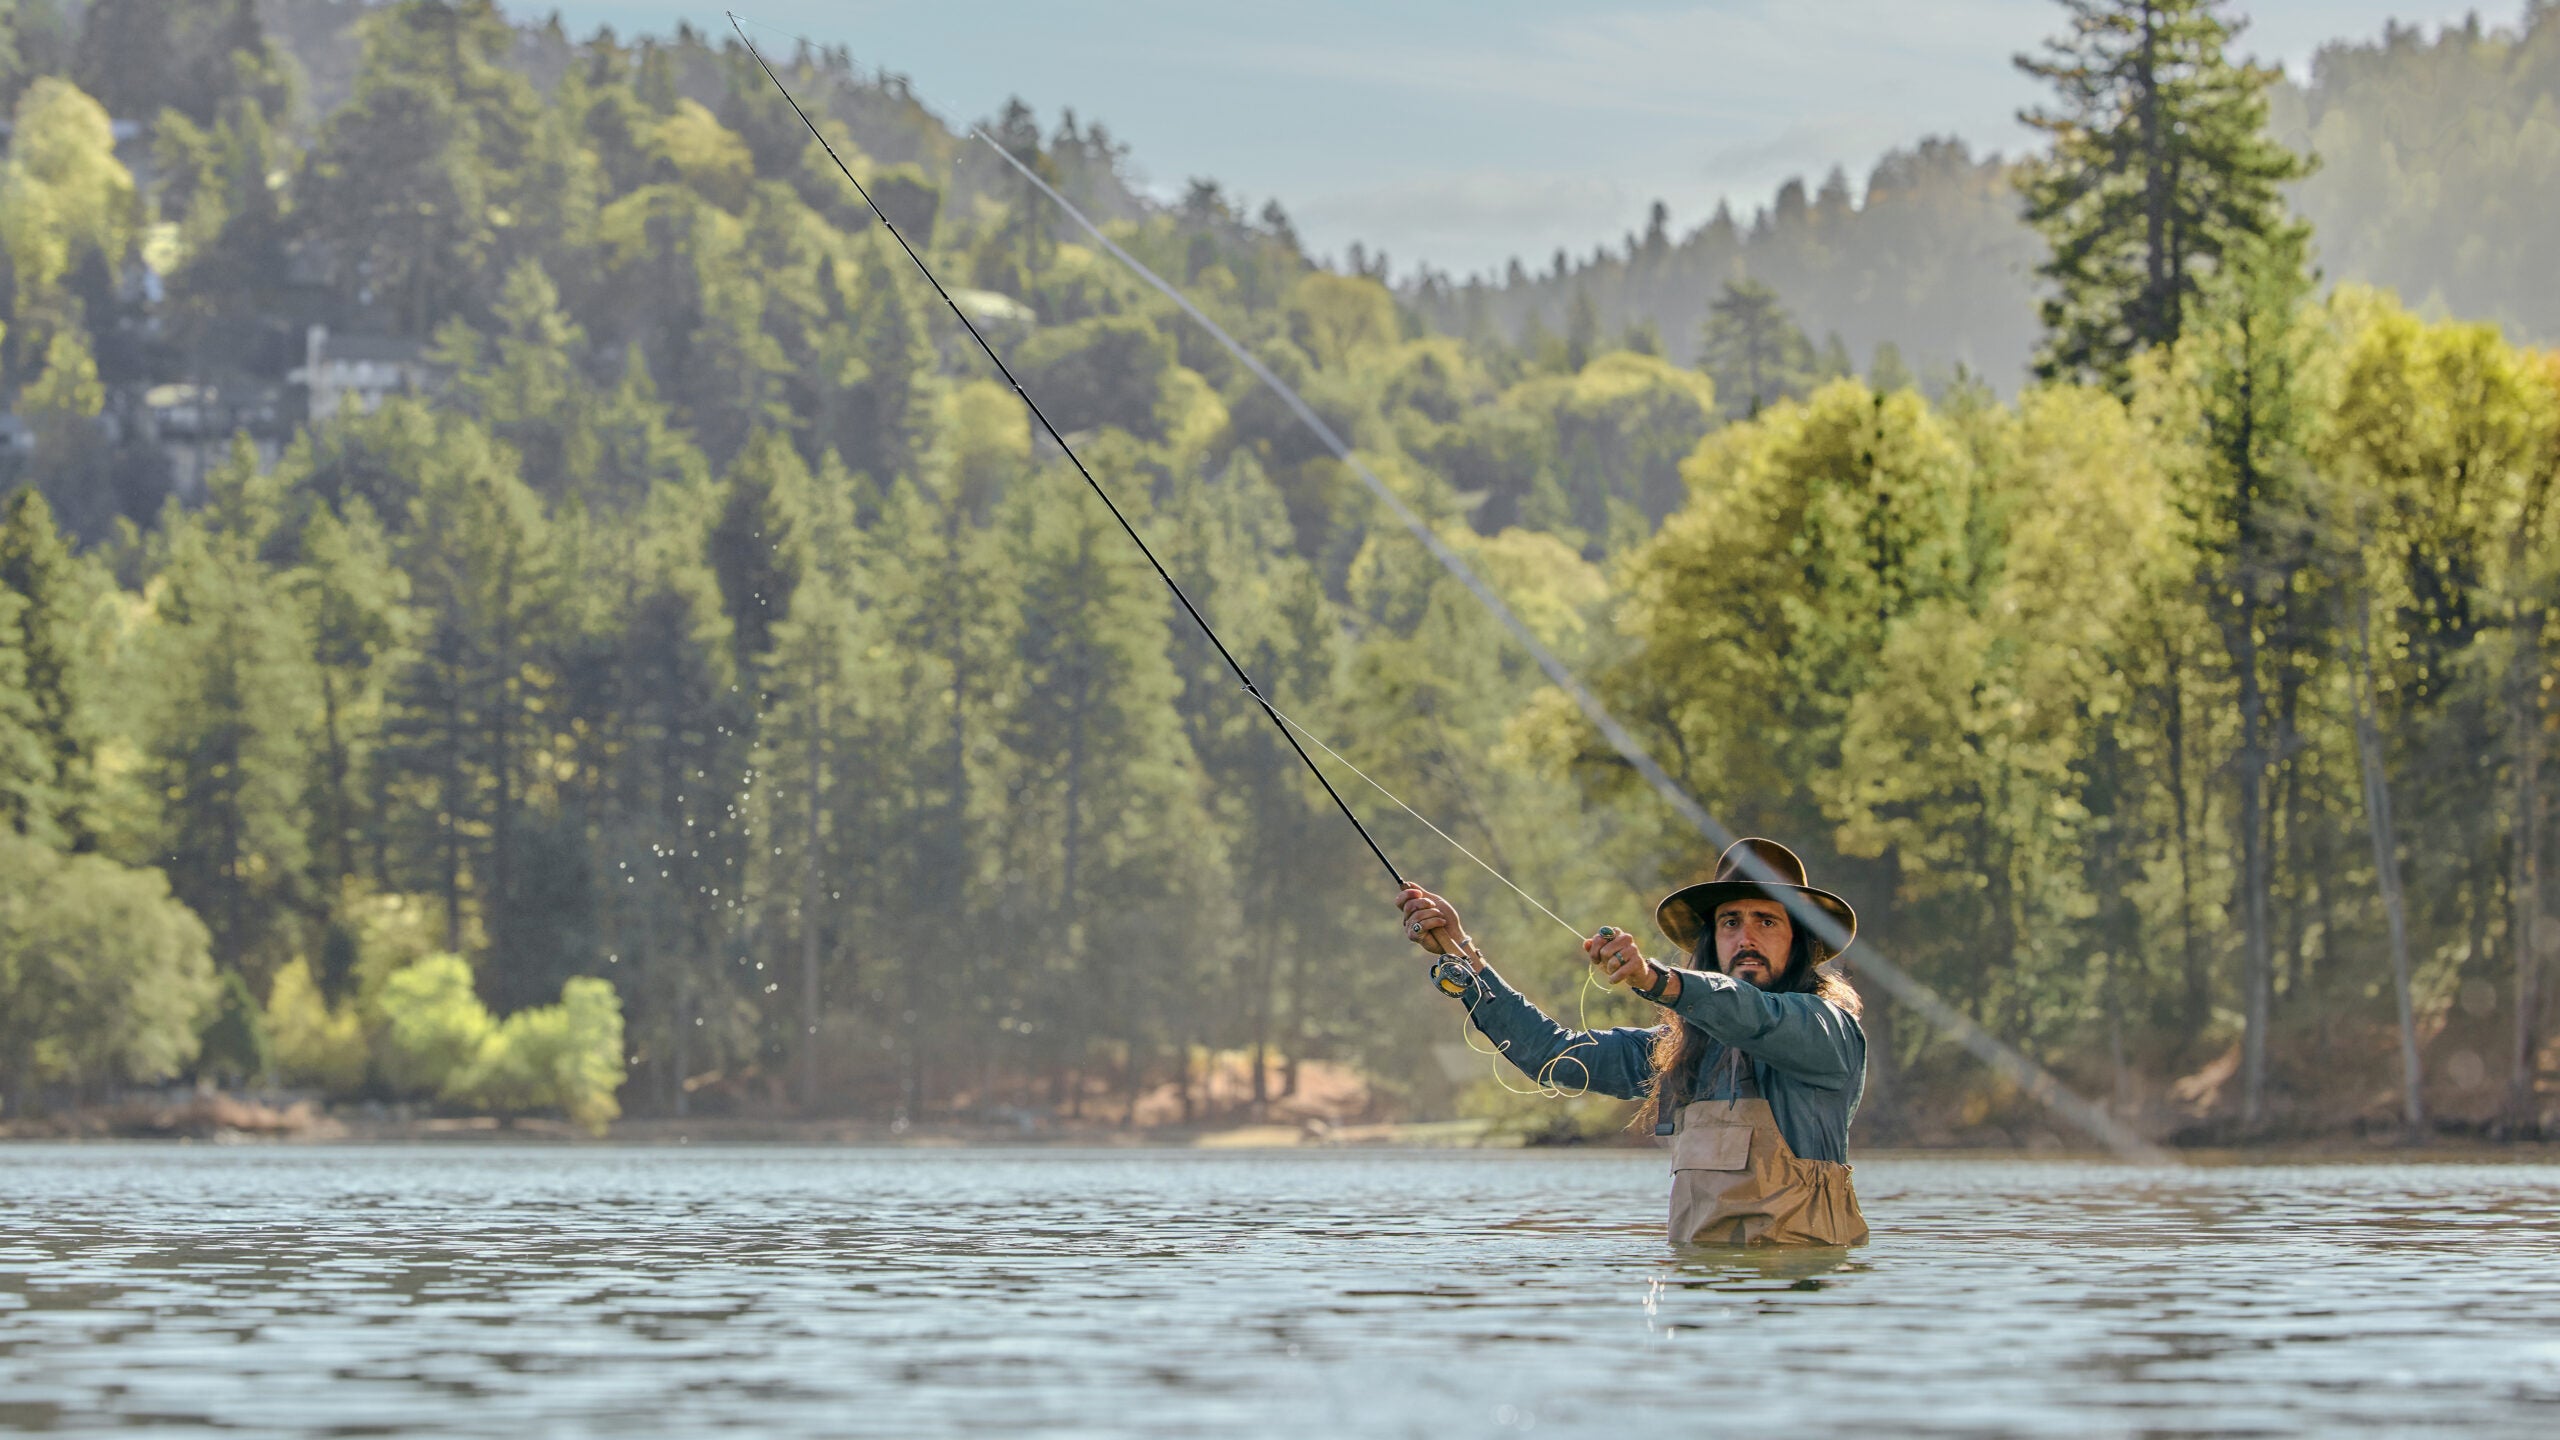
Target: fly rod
1104, 495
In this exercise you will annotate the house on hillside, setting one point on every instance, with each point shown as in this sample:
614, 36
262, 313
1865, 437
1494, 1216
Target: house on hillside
194, 425
359, 371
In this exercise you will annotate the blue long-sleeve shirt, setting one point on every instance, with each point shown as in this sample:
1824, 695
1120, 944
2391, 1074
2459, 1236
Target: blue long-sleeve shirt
1808, 1056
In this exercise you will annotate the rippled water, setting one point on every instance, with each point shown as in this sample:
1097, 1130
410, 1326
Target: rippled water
521, 1292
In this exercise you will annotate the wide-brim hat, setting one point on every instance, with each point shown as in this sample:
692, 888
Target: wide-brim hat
1684, 913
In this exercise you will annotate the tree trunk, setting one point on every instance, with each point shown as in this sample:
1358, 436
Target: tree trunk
497, 911
334, 806
682, 1099
2198, 998
2524, 883
448, 830
2386, 870
1132, 1076
2257, 978
1262, 1023
2287, 812
2159, 324
813, 896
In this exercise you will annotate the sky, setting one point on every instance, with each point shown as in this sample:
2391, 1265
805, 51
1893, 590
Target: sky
1461, 133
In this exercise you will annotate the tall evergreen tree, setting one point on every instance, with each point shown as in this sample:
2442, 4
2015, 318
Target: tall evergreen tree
412, 175
54, 755
2161, 165
678, 758
530, 387
232, 677
1755, 353
355, 595
467, 724
1106, 825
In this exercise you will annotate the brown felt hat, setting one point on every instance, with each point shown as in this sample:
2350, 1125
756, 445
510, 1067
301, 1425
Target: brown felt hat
1684, 914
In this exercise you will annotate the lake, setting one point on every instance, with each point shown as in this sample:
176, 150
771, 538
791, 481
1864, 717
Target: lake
514, 1292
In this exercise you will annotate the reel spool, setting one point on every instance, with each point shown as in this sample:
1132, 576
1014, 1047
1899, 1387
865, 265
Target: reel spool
1455, 977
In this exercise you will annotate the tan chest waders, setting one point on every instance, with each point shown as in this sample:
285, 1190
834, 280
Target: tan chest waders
1735, 1181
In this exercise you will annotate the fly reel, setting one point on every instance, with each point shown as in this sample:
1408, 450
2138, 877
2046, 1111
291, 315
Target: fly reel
1455, 977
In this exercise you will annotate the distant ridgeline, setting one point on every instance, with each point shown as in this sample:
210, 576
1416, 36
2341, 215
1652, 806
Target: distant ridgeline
2439, 178
512, 599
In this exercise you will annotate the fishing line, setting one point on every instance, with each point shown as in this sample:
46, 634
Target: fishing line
2002, 1057
736, 23
1398, 801
1543, 1082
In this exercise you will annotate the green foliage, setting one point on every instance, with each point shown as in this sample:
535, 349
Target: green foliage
433, 1025
313, 1042
102, 974
1101, 372
229, 671
233, 1046
414, 182
51, 709
2436, 167
565, 1057
715, 623
2439, 165
63, 193
438, 1039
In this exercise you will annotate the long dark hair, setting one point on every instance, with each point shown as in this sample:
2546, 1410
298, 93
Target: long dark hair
1677, 1048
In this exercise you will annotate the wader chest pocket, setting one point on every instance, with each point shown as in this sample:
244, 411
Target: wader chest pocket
1711, 1147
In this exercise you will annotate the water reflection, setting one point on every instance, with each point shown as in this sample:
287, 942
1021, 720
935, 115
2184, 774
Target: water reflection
507, 1292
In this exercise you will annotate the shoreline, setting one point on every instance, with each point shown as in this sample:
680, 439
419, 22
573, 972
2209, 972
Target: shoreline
230, 1120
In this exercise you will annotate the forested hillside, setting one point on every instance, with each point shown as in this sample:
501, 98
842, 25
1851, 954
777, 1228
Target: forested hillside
507, 586
2438, 164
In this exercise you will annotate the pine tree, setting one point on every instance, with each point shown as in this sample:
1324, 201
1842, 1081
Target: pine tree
466, 721
669, 833
2161, 165
1106, 826
411, 175
1755, 353
948, 608
884, 425
54, 754
532, 392
232, 678
766, 495
820, 676
355, 596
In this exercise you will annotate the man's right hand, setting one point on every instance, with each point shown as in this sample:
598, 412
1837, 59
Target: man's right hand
1431, 922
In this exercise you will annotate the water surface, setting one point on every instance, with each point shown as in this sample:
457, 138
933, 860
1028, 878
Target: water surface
575, 1291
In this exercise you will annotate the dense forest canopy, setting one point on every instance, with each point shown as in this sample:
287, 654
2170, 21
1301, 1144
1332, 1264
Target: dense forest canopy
511, 598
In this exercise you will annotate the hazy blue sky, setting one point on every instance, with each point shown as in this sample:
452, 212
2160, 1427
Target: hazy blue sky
1463, 132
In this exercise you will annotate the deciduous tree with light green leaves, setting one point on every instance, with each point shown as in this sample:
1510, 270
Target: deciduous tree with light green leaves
102, 973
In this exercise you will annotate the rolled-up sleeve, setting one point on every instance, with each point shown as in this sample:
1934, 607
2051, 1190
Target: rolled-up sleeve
1617, 1062
1806, 1036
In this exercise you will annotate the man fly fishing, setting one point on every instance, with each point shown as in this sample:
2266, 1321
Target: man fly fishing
1754, 1073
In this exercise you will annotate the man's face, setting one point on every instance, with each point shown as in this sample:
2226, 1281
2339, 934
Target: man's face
1752, 940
